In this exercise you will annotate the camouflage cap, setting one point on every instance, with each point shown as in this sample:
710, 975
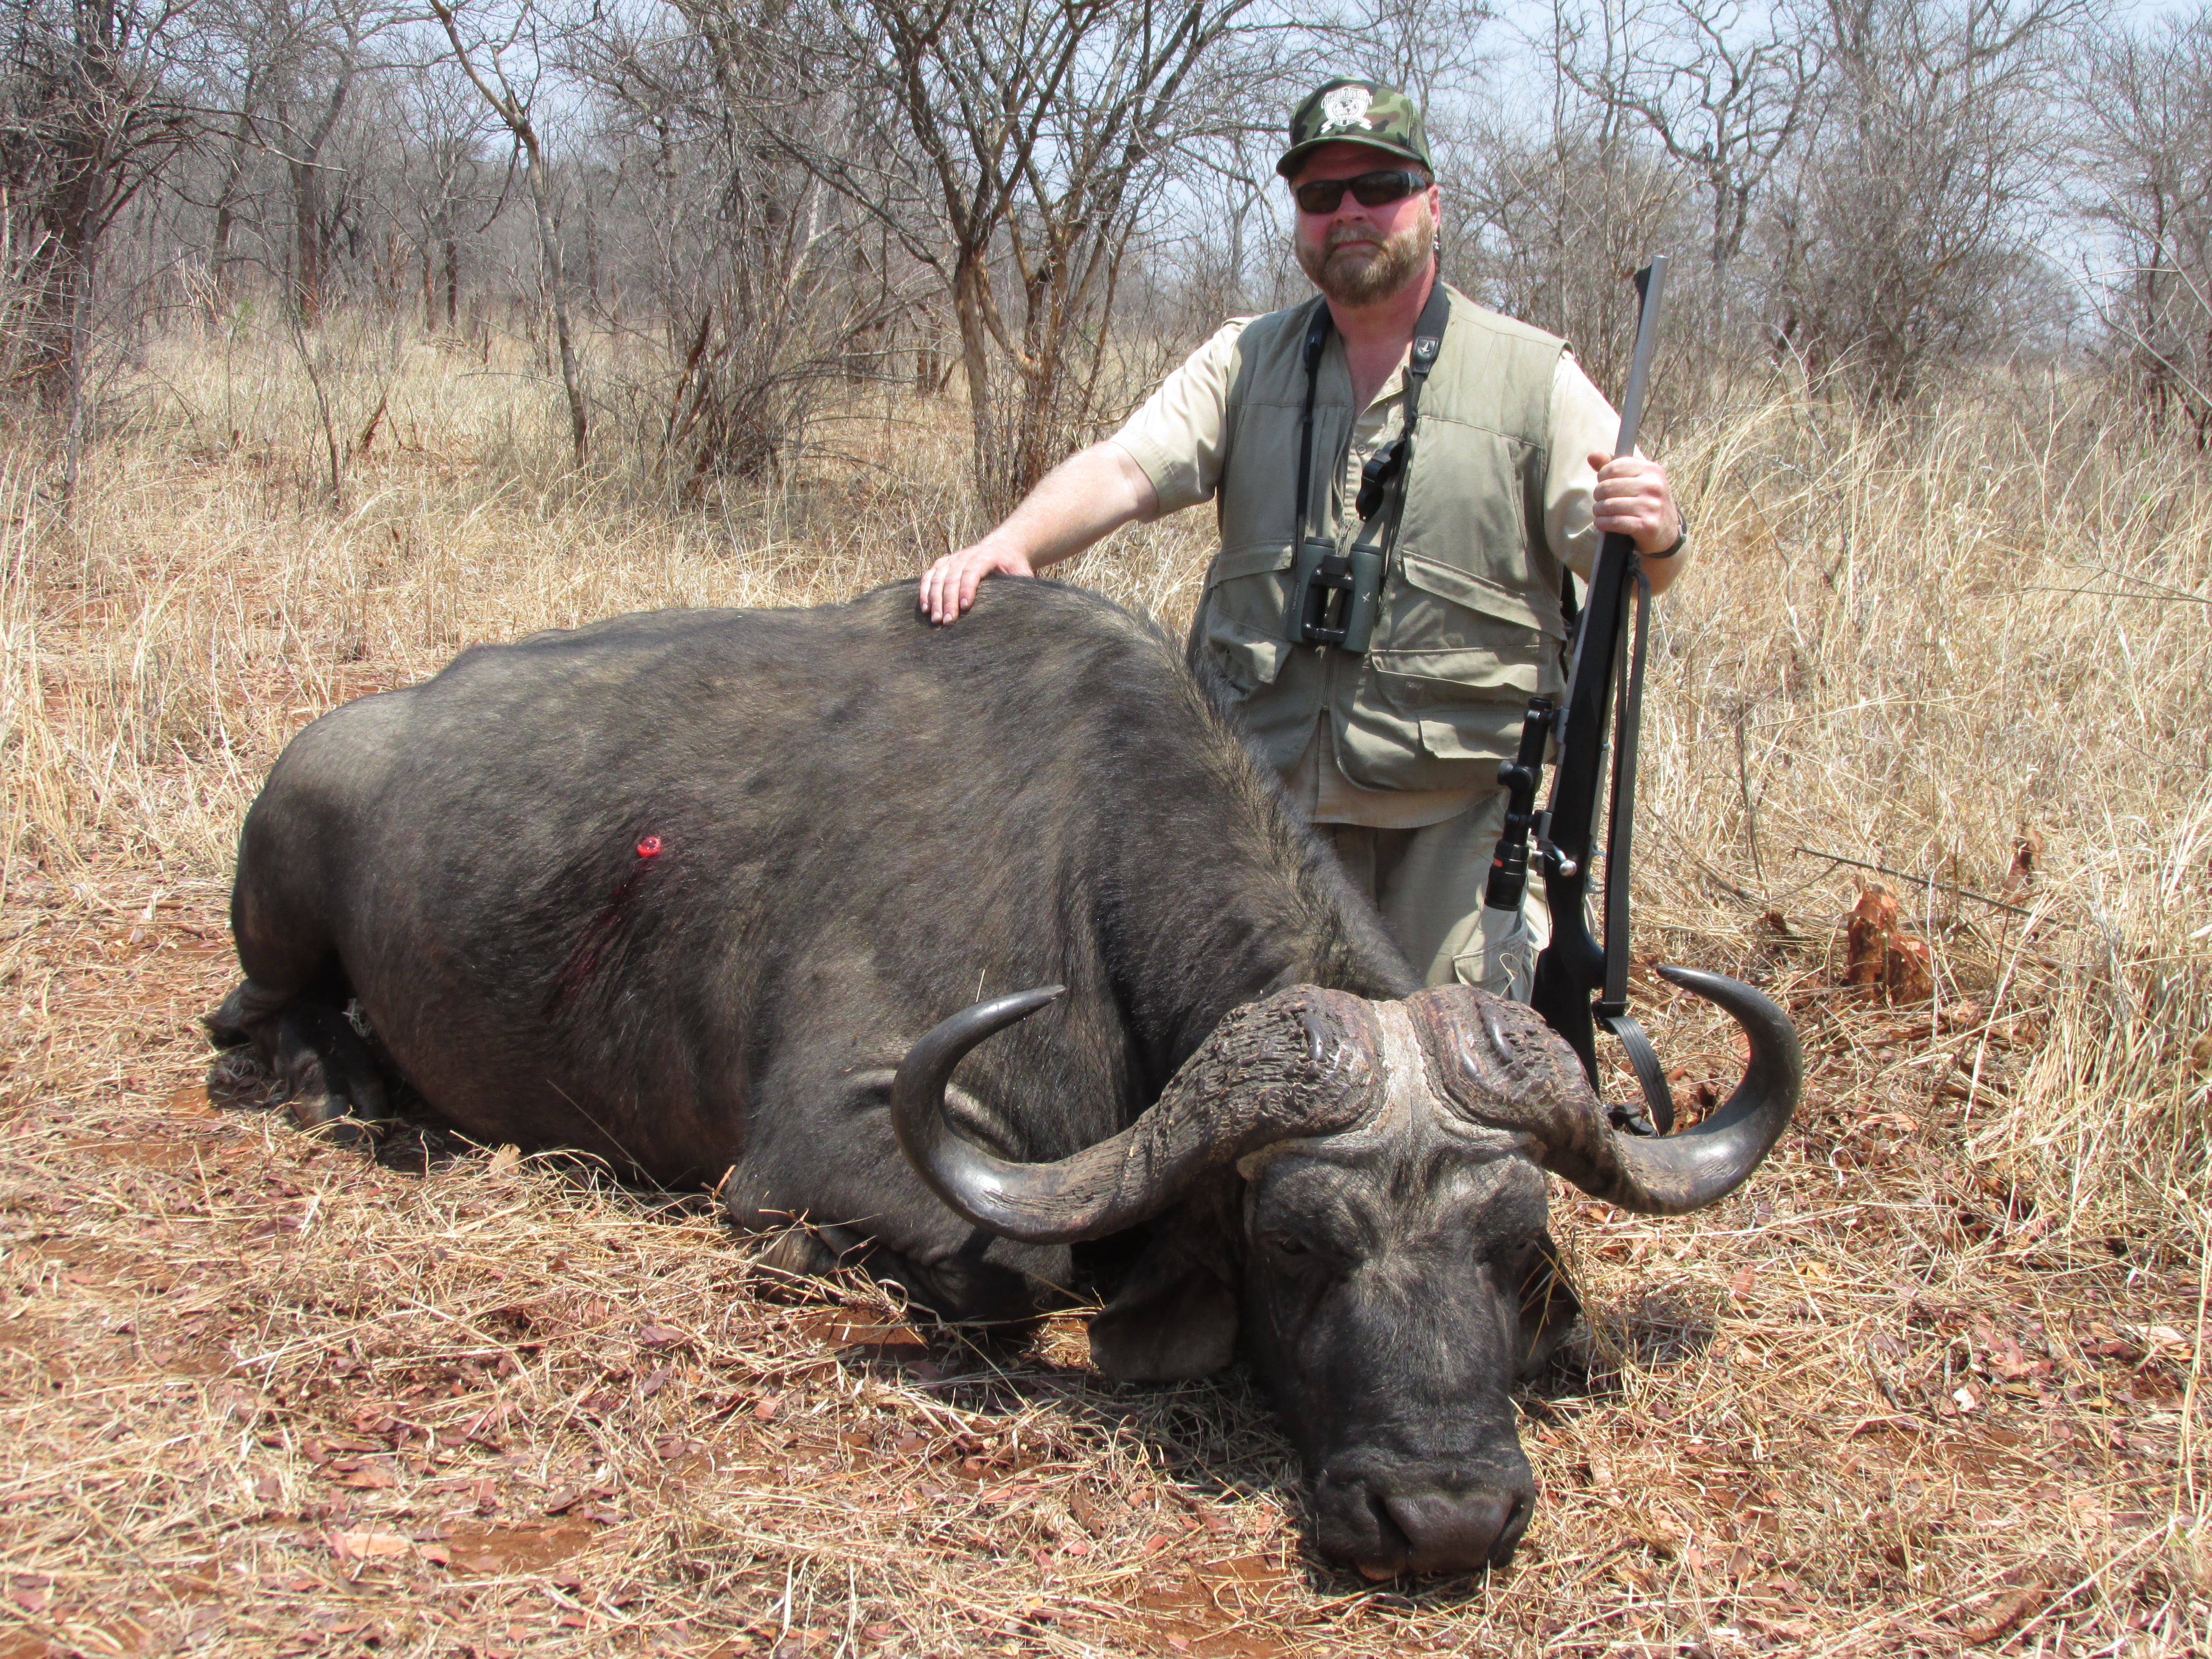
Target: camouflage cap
1351, 111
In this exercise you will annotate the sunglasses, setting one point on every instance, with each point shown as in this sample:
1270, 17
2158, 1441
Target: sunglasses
1369, 189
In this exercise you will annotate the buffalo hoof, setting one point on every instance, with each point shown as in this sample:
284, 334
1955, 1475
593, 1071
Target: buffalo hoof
333, 1087
1386, 1530
333, 1126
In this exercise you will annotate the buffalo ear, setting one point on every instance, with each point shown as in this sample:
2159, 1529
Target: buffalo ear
1172, 1321
1549, 1307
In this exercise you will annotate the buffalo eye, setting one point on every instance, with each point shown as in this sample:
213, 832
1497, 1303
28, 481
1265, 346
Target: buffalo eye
1290, 1251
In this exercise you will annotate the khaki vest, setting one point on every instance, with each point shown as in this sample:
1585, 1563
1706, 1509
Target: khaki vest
1469, 627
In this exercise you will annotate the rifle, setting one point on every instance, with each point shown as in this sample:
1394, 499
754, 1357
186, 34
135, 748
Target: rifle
1574, 965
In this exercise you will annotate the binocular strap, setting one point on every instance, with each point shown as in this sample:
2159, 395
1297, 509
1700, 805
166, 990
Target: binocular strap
1428, 342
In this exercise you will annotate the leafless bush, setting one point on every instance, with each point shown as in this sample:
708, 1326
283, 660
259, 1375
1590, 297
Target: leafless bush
1904, 239
1013, 153
2147, 105
763, 283
1554, 228
89, 115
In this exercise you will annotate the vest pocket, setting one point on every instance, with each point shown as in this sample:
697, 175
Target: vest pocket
1462, 656
1241, 624
1539, 615
1459, 705
1423, 684
1420, 732
1455, 638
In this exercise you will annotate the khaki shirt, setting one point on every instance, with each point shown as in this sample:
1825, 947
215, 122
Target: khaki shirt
1177, 438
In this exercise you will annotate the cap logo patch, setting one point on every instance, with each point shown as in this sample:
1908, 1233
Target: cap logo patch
1345, 107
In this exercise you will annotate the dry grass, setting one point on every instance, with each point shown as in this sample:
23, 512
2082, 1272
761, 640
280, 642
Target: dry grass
1932, 1383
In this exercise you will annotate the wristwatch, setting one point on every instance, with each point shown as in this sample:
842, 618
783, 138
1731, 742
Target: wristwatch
1681, 535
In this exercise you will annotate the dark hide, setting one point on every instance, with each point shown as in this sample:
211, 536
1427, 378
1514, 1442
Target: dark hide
864, 823
683, 888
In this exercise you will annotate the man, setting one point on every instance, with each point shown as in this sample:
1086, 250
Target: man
1381, 643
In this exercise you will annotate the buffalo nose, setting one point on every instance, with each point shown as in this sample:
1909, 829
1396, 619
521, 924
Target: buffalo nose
1457, 1531
1385, 1526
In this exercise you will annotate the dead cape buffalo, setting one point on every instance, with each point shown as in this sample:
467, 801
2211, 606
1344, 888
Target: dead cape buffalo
716, 891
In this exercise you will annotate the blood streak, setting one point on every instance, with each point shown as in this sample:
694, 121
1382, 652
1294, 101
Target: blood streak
600, 931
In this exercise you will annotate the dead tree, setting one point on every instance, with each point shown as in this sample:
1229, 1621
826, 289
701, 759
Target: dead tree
1724, 93
1018, 147
1904, 239
88, 117
238, 145
1559, 211
2144, 182
444, 197
307, 135
767, 284
511, 102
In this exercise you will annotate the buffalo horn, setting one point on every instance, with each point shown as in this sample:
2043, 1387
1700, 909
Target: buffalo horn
1675, 1174
1300, 1062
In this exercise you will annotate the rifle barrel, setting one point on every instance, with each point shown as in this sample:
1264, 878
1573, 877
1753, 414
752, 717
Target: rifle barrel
1574, 965
1648, 282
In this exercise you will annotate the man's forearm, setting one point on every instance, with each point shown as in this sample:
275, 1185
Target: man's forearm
1087, 496
1663, 572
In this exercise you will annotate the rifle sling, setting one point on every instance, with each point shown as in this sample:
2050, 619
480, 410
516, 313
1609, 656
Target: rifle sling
1612, 1009
1658, 1117
1628, 719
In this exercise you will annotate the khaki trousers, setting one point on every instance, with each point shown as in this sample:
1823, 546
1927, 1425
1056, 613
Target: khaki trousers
1428, 883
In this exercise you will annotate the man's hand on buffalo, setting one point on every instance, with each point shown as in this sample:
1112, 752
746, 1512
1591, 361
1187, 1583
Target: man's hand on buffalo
1633, 499
948, 587
1092, 494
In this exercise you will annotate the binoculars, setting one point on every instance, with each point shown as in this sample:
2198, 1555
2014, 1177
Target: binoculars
1333, 596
